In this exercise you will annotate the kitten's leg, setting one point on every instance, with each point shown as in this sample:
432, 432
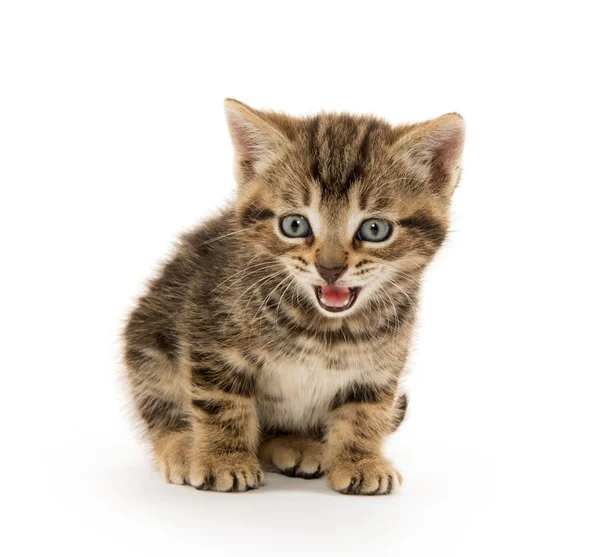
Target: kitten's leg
225, 427
159, 394
359, 422
292, 455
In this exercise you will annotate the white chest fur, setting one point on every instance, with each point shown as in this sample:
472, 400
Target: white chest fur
297, 396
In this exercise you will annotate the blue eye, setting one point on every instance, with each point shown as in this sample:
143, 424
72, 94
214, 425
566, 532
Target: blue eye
295, 226
374, 230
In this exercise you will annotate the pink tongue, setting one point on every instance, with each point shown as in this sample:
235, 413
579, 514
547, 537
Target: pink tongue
335, 296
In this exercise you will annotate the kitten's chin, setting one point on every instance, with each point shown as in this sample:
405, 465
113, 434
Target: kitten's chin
336, 299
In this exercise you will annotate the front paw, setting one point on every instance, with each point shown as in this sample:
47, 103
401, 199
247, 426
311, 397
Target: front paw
227, 472
369, 476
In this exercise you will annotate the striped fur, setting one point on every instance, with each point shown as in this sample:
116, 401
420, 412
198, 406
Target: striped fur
231, 362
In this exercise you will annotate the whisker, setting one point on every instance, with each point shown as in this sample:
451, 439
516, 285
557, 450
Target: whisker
263, 267
246, 269
221, 237
393, 304
408, 278
253, 286
263, 305
403, 292
282, 296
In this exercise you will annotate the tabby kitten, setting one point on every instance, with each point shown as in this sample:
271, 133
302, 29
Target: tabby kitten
276, 336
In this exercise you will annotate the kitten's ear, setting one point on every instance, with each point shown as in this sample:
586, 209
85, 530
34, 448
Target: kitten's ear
434, 150
256, 141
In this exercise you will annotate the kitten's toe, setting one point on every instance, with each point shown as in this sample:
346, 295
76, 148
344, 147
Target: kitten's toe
310, 464
171, 454
293, 456
233, 473
374, 476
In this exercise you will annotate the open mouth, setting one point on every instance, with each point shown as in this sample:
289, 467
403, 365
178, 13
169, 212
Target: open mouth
336, 298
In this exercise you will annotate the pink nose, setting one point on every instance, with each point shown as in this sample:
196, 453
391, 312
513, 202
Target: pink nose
330, 274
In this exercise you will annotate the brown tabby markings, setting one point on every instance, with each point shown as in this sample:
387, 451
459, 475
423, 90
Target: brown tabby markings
229, 357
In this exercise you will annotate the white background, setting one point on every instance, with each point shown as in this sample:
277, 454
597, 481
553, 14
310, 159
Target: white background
113, 141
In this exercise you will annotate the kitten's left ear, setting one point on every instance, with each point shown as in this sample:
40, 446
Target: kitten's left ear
434, 150
256, 140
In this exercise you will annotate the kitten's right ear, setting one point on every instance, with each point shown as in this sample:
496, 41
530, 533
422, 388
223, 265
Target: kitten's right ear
255, 140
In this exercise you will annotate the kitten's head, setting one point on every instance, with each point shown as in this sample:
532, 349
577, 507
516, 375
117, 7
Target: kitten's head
350, 204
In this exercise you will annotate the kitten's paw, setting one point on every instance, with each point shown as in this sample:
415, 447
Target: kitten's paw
228, 472
298, 457
171, 454
371, 476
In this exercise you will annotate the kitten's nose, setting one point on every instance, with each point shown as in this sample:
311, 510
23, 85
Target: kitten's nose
330, 274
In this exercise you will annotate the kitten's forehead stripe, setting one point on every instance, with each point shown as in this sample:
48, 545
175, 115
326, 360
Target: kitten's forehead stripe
339, 148
313, 131
356, 167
